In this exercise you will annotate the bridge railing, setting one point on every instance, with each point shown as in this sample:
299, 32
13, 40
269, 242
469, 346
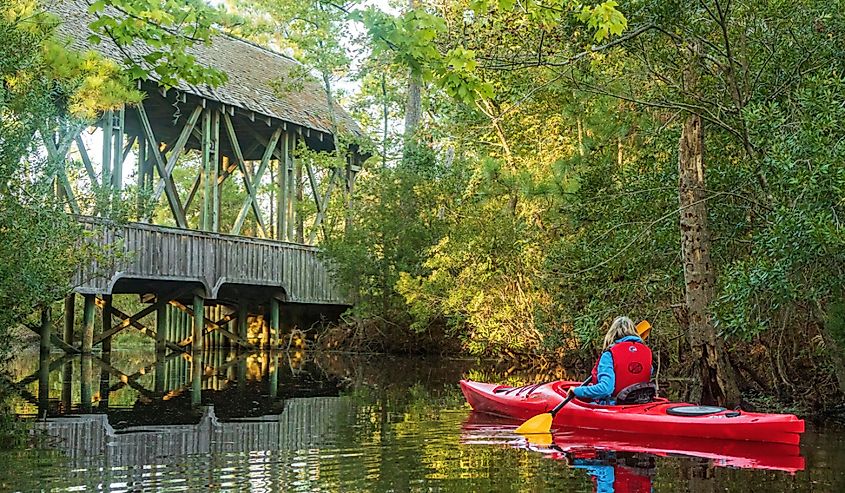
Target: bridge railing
145, 252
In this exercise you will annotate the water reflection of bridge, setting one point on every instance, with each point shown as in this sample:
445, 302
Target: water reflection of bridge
167, 389
132, 429
303, 423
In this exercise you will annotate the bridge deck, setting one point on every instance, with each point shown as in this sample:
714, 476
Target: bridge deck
150, 256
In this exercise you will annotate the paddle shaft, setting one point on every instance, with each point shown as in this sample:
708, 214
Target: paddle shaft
568, 398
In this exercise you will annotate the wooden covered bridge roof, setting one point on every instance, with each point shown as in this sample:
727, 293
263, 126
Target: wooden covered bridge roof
251, 69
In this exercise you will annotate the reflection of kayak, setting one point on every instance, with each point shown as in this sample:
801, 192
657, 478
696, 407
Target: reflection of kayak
587, 444
654, 418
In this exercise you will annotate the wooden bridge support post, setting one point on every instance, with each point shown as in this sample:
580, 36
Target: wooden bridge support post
70, 318
197, 350
274, 375
174, 323
243, 314
210, 164
44, 332
85, 371
349, 189
199, 325
88, 324
107, 320
44, 362
282, 183
290, 141
105, 377
43, 381
67, 385
108, 127
196, 378
186, 326
142, 177
160, 373
105, 381
181, 325
162, 328
214, 166
117, 151
274, 320
300, 219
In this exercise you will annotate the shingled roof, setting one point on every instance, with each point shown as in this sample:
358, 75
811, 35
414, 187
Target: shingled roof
251, 70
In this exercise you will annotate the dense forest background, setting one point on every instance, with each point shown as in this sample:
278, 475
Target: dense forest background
536, 170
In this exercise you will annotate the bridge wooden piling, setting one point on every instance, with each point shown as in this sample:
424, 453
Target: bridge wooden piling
85, 373
45, 330
88, 324
105, 343
70, 318
198, 325
163, 327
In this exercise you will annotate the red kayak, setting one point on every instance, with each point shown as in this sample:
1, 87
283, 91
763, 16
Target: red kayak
484, 429
659, 417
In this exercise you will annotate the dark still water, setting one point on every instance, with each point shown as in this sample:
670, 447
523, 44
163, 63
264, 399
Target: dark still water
334, 422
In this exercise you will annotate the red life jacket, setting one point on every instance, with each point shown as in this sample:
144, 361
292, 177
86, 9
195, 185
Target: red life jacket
631, 364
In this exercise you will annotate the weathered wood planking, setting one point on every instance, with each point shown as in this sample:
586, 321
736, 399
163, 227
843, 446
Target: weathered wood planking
148, 252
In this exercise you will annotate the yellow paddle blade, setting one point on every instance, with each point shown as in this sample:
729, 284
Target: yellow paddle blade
540, 439
541, 423
643, 329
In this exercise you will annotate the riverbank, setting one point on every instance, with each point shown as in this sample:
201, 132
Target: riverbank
767, 374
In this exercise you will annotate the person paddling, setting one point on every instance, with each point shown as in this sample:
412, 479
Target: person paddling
625, 361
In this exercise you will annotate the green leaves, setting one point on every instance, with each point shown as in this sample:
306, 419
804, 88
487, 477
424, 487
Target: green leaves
443, 52
168, 28
604, 19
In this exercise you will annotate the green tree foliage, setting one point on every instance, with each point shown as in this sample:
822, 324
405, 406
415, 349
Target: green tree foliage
169, 28
47, 88
398, 213
40, 243
563, 206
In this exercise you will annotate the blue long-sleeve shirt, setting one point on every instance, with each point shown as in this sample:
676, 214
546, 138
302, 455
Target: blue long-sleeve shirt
602, 391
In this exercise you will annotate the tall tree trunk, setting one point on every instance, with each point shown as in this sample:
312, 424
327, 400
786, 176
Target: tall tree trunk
413, 105
384, 114
413, 102
715, 383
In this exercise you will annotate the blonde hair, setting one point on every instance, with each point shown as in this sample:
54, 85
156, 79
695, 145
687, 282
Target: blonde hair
621, 327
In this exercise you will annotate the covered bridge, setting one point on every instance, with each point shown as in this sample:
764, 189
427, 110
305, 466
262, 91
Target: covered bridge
224, 212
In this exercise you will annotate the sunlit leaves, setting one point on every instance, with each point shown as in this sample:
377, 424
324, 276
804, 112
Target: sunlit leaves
426, 42
42, 82
168, 28
604, 19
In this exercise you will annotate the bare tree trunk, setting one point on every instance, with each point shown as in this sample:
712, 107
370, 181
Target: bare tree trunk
716, 380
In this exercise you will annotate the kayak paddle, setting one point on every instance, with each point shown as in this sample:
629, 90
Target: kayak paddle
644, 329
542, 423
